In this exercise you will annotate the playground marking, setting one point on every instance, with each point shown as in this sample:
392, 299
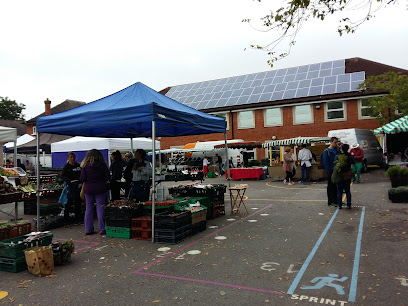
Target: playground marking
354, 277
299, 276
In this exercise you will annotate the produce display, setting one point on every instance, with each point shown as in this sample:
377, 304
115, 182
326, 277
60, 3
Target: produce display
8, 172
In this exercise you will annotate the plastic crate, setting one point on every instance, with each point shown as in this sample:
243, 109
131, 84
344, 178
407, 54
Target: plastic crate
124, 212
118, 222
142, 234
172, 220
198, 227
20, 229
10, 197
117, 232
14, 247
13, 265
218, 209
199, 216
172, 236
142, 223
4, 233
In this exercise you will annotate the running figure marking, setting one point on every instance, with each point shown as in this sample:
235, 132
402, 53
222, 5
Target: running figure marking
327, 281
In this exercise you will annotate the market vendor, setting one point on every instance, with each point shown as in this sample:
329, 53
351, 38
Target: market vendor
70, 175
142, 171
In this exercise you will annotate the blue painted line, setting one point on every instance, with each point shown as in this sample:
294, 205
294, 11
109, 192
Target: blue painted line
299, 276
354, 277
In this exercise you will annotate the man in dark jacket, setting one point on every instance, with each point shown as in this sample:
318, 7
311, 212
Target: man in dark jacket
329, 155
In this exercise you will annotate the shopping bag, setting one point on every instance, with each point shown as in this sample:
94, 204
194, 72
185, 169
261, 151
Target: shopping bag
63, 199
82, 192
40, 260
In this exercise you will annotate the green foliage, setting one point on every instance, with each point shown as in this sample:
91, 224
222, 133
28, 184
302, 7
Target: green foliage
11, 110
288, 20
397, 172
390, 106
399, 190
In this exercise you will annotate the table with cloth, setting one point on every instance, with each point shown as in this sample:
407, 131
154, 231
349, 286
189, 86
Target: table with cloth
245, 173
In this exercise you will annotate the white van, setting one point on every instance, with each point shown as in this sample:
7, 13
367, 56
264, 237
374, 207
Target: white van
373, 154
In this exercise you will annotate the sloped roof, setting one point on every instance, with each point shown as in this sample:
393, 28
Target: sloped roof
337, 79
18, 124
66, 105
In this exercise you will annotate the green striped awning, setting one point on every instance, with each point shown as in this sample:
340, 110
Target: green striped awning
397, 126
295, 141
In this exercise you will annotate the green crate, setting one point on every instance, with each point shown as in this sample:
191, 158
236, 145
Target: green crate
204, 201
14, 248
118, 232
13, 265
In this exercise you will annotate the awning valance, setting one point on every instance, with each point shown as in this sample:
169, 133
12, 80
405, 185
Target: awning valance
295, 141
241, 145
397, 126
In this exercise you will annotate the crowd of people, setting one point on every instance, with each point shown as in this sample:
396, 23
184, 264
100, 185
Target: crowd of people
93, 178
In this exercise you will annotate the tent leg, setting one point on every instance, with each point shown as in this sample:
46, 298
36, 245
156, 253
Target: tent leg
153, 174
227, 161
38, 183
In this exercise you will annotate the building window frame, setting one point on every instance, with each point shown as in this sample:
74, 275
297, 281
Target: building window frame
327, 111
271, 124
249, 126
296, 122
225, 116
361, 108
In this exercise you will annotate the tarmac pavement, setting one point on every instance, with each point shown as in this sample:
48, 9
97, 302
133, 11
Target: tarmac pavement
290, 249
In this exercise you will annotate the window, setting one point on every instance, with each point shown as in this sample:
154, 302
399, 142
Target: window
335, 111
246, 120
273, 116
365, 109
302, 114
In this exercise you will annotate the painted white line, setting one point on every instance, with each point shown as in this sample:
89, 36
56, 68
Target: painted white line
98, 249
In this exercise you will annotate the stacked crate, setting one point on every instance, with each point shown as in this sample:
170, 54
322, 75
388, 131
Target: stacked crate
48, 203
14, 229
118, 220
12, 258
198, 214
172, 227
142, 228
216, 195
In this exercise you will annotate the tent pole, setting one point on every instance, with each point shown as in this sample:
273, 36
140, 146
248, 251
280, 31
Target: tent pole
153, 174
131, 145
226, 154
15, 152
38, 182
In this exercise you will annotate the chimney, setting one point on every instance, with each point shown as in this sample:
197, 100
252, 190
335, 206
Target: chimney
47, 107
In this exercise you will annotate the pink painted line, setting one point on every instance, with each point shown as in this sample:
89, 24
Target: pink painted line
198, 240
211, 283
82, 241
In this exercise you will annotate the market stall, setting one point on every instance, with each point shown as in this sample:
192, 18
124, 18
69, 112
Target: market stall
136, 111
246, 173
315, 144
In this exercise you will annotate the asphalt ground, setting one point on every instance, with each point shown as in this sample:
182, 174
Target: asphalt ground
290, 249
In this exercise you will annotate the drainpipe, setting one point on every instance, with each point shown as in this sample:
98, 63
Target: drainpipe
232, 125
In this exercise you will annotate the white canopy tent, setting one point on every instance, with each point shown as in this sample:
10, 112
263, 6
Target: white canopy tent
8, 134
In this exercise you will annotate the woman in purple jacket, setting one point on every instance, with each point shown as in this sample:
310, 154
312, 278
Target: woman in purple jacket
95, 175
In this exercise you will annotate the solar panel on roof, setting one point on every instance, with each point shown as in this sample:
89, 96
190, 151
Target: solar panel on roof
295, 82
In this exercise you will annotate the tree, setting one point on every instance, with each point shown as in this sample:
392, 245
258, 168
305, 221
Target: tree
11, 110
288, 21
390, 106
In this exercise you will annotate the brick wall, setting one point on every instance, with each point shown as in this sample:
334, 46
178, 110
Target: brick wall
288, 130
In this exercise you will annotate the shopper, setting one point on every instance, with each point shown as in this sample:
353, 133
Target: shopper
345, 161
95, 175
288, 166
220, 164
70, 175
127, 174
142, 172
305, 156
205, 166
116, 170
358, 154
328, 157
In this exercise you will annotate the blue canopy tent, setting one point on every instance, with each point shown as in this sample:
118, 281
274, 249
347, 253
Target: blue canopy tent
136, 111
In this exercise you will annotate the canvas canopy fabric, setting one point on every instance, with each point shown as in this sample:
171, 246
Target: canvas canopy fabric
129, 113
397, 126
295, 141
8, 134
80, 143
241, 145
46, 140
20, 141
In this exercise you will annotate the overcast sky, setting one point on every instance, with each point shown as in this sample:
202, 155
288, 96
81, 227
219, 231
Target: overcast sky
86, 50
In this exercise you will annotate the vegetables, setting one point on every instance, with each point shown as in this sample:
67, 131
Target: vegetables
8, 172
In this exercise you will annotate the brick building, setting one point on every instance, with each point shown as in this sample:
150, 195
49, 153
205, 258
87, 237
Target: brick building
307, 100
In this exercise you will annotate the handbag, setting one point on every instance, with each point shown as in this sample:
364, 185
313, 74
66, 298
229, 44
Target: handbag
63, 199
